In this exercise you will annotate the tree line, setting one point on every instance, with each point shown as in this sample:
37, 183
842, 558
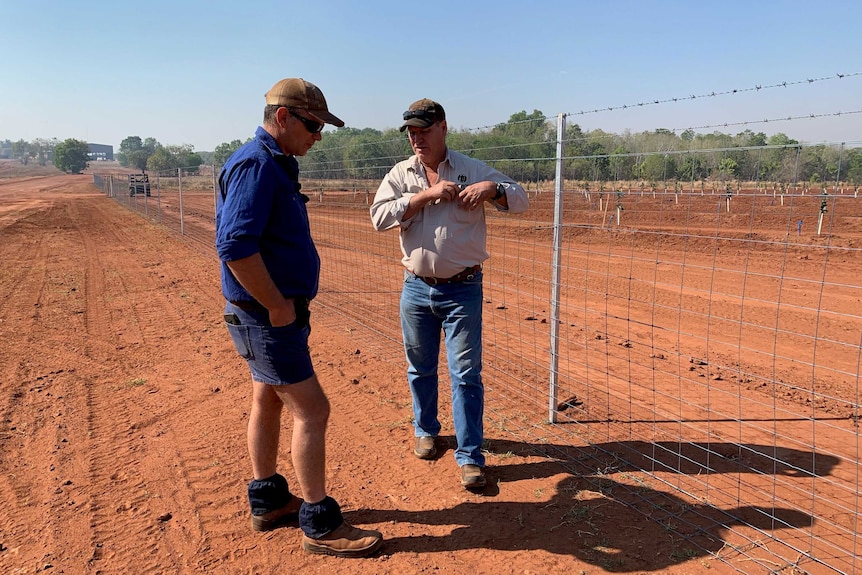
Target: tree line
39, 151
149, 155
70, 155
525, 148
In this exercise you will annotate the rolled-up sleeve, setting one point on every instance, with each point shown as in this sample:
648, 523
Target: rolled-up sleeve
516, 198
244, 211
390, 203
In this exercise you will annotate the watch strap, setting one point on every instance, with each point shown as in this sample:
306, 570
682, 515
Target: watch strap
501, 191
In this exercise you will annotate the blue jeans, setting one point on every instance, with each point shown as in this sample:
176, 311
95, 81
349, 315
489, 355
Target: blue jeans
456, 309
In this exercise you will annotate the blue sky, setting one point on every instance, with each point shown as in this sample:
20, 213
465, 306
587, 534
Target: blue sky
194, 72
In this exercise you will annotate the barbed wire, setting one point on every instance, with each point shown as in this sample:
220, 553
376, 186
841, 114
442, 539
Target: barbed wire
713, 94
788, 118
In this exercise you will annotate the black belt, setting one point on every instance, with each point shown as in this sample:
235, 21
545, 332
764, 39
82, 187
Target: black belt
464, 275
300, 306
250, 306
254, 306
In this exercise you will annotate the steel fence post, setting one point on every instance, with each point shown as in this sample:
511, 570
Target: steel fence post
555, 271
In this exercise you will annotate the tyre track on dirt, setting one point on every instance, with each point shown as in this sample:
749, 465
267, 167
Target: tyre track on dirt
193, 474
208, 489
21, 285
87, 403
134, 435
49, 391
115, 443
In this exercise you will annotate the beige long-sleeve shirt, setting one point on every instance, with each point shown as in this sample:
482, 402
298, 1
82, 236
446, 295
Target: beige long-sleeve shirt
443, 238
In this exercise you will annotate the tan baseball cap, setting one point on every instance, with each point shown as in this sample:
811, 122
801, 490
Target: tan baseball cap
423, 113
299, 93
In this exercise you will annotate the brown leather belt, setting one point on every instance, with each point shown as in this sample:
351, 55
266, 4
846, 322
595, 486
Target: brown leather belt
464, 275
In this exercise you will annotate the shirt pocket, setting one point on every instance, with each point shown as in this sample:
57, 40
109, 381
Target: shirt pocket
463, 216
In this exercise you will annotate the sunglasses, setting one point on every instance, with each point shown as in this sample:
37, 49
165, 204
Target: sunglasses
310, 125
421, 114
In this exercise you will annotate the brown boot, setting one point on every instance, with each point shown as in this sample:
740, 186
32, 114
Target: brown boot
472, 476
285, 515
346, 541
424, 447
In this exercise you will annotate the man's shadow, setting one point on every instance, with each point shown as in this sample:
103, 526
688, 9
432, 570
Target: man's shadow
599, 520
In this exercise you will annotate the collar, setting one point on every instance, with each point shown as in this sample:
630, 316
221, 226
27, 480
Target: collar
271, 146
418, 166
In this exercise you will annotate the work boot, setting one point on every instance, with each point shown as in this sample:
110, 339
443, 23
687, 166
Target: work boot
472, 476
272, 504
424, 447
287, 514
346, 541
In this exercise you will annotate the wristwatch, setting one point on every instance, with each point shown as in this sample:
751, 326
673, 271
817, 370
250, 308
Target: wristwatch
501, 191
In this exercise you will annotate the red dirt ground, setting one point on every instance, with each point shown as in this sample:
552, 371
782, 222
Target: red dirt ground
124, 408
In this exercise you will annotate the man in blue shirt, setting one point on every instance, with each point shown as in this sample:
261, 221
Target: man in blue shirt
269, 272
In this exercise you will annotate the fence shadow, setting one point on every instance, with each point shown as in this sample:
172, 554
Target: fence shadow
598, 520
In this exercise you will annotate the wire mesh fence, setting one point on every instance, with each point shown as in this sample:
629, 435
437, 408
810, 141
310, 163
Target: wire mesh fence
682, 329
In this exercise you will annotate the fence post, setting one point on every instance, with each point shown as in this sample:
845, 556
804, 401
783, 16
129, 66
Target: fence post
555, 271
159, 197
215, 192
823, 208
146, 196
838, 172
180, 188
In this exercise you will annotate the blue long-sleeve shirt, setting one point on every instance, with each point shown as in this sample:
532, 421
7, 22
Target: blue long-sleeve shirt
260, 209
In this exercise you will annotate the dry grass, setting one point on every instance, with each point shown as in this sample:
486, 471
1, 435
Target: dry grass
15, 169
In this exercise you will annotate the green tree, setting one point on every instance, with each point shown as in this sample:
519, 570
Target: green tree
71, 156
622, 165
692, 168
780, 164
364, 153
138, 159
853, 172
149, 145
224, 151
128, 146
21, 150
162, 160
781, 139
758, 139
206, 157
134, 152
525, 127
727, 167
186, 157
43, 149
658, 167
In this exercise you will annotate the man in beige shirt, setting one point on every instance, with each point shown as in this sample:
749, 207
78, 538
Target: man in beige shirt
436, 198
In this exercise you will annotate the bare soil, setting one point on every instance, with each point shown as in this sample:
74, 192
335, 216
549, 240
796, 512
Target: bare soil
122, 431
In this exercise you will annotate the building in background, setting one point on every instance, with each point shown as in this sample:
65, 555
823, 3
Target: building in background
100, 152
